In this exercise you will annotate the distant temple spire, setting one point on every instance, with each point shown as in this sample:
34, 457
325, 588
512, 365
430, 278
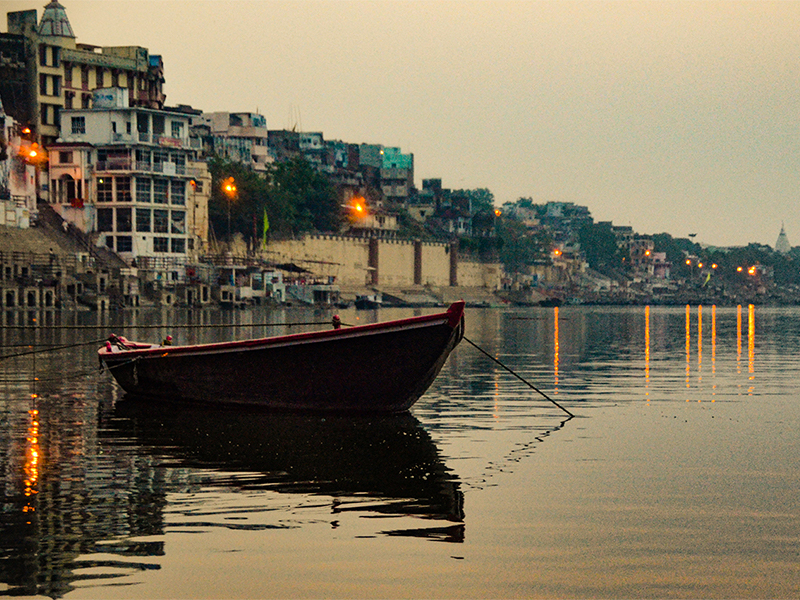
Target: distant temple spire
782, 245
55, 22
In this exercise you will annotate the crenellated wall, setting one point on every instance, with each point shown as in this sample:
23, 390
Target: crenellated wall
360, 262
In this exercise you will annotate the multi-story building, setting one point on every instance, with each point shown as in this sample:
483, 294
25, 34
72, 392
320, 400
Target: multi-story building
127, 176
47, 71
17, 174
397, 175
312, 147
239, 137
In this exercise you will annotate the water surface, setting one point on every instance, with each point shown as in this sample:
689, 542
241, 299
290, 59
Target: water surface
677, 477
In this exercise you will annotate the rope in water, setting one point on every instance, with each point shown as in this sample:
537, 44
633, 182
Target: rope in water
525, 381
184, 326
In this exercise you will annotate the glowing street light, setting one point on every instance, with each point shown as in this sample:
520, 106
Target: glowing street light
229, 187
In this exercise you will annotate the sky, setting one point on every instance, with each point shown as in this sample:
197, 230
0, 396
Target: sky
667, 116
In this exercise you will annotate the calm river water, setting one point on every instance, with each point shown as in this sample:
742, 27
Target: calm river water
678, 477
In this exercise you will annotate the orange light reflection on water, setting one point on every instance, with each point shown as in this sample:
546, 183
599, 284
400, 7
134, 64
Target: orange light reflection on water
700, 344
739, 338
714, 350
32, 459
751, 343
555, 348
688, 346
647, 352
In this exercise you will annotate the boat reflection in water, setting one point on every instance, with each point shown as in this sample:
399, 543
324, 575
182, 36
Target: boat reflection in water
388, 459
79, 529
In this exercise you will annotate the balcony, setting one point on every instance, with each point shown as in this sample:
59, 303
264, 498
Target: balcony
122, 164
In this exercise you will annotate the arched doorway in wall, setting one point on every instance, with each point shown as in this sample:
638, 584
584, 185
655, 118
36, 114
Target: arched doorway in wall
68, 189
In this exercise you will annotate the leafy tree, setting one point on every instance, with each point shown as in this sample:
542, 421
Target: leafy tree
294, 196
315, 203
243, 208
599, 245
518, 247
481, 199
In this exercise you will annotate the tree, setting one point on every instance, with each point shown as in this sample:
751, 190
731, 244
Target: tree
293, 195
295, 183
599, 245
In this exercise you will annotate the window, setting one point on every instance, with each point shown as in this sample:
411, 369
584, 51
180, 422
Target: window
43, 55
110, 241
99, 77
178, 222
124, 243
43, 84
161, 221
143, 219
178, 245
160, 244
104, 190
177, 129
158, 124
68, 76
124, 189
124, 219
160, 187
142, 160
85, 78
159, 158
177, 191
105, 219
143, 189
64, 158
78, 125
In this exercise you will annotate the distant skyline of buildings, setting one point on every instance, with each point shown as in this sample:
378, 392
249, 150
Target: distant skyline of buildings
120, 157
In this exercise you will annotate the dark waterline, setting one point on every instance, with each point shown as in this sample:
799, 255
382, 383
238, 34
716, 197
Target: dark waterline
677, 478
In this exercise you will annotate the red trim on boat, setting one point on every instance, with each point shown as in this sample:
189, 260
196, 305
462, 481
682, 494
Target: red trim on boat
451, 318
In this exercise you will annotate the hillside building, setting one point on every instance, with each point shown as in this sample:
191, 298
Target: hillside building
238, 137
128, 176
49, 71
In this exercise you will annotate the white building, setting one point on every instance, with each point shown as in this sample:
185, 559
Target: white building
123, 175
17, 175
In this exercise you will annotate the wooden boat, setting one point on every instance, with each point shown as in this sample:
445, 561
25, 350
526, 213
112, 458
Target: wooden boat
383, 367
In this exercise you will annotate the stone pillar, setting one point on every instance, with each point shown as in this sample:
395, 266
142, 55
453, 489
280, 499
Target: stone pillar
373, 260
454, 264
417, 262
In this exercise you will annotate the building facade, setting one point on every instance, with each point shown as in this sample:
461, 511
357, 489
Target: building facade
49, 71
129, 177
239, 137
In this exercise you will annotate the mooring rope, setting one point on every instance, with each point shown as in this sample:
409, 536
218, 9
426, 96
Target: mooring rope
183, 326
52, 348
525, 381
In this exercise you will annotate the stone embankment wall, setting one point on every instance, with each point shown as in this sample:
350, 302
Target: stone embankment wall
359, 262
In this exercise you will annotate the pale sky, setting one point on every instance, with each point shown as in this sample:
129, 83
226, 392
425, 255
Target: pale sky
677, 117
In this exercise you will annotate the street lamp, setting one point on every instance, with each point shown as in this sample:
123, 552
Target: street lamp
229, 187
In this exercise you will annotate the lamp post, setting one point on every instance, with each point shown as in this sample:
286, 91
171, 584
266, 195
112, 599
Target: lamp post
229, 187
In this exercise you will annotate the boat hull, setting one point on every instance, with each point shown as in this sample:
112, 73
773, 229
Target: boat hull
381, 367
